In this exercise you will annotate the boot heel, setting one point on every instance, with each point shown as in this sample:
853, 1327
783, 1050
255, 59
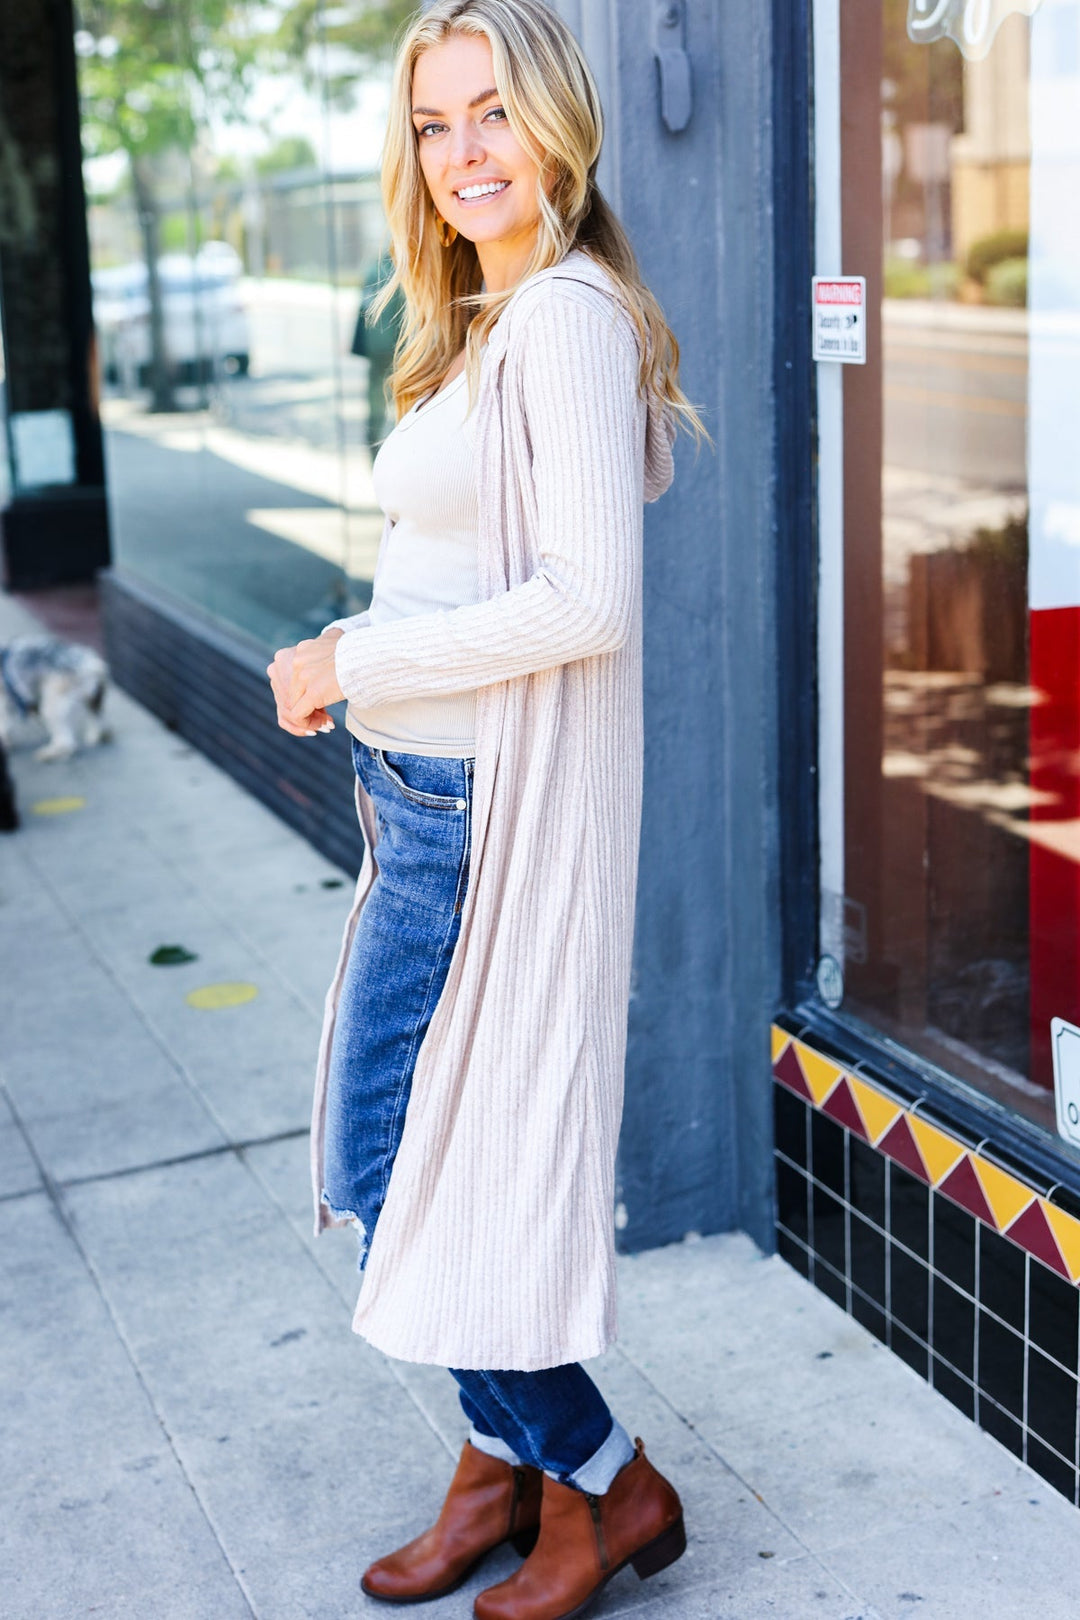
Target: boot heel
657, 1555
523, 1541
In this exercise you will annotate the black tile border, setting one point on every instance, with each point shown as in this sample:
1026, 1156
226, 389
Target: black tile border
999, 1333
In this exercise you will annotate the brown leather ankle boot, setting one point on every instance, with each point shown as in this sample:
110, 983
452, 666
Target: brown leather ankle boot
585, 1540
488, 1502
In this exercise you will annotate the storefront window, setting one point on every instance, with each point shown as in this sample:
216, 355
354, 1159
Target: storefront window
234, 213
951, 860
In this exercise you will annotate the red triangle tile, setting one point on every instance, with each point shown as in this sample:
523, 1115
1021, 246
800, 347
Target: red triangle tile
840, 1105
962, 1186
787, 1071
1032, 1231
900, 1145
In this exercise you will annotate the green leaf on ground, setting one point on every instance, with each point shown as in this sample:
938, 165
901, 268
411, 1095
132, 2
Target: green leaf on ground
171, 956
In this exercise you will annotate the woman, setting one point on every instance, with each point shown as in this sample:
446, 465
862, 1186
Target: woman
475, 1032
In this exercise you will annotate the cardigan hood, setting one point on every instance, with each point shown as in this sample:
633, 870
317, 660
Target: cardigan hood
578, 267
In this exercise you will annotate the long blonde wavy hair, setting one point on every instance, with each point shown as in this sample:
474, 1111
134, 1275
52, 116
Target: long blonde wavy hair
552, 105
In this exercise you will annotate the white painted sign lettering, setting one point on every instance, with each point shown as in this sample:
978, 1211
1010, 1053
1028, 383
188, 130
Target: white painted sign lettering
971, 24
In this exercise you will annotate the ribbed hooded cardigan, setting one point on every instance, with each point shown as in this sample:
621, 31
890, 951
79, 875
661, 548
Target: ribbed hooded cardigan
495, 1246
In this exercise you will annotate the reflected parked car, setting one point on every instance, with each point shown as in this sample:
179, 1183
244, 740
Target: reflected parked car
206, 324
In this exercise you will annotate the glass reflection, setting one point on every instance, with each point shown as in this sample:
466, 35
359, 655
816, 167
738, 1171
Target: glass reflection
954, 542
234, 213
962, 875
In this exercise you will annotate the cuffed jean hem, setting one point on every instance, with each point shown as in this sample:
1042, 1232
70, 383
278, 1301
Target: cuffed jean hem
492, 1446
595, 1476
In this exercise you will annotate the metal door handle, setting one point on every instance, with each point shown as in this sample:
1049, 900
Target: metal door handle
669, 48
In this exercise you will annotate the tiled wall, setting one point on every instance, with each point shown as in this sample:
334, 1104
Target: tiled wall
958, 1265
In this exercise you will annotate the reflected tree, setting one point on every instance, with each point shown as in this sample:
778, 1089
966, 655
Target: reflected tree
151, 70
925, 81
347, 37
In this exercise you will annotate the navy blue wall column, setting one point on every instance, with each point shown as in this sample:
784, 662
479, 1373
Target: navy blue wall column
696, 1144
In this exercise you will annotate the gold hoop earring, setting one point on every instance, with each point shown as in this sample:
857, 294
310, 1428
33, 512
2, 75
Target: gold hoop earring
445, 231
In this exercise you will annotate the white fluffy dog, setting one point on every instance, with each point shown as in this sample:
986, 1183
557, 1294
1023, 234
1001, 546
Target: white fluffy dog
57, 683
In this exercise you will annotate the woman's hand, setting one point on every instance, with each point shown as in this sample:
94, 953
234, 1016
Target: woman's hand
304, 683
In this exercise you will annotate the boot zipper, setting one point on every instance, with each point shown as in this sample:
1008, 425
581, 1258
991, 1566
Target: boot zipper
598, 1526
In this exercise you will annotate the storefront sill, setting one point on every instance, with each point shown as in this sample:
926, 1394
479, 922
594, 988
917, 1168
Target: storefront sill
1015, 1143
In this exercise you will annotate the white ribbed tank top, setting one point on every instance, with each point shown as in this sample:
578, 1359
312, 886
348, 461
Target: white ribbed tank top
425, 482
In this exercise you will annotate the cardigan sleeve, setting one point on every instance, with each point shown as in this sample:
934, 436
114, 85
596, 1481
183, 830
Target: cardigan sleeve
578, 373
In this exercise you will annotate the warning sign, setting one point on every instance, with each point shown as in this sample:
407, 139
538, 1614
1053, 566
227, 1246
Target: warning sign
840, 318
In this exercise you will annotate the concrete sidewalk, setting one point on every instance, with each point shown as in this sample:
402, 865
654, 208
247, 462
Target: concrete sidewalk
190, 1431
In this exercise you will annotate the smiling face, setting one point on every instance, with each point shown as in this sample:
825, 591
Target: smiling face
481, 179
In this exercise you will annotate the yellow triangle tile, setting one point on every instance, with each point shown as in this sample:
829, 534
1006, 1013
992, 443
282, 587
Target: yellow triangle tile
878, 1112
821, 1073
1005, 1195
780, 1039
1067, 1231
940, 1152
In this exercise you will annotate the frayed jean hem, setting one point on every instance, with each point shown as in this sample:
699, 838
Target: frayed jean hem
347, 1217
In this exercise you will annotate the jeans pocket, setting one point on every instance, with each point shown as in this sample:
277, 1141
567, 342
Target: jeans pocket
415, 775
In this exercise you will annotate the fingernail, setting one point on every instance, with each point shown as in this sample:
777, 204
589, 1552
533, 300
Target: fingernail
327, 725
310, 733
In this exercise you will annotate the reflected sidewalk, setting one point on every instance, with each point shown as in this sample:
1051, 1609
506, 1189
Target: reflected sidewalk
251, 529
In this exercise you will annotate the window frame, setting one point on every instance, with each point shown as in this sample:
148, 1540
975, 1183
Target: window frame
800, 423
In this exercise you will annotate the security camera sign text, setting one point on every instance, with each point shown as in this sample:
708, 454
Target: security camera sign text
839, 305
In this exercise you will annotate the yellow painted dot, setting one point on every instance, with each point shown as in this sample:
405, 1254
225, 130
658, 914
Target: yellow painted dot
231, 993
57, 807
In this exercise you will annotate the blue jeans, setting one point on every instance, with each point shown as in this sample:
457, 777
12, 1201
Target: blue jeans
555, 1419
397, 967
